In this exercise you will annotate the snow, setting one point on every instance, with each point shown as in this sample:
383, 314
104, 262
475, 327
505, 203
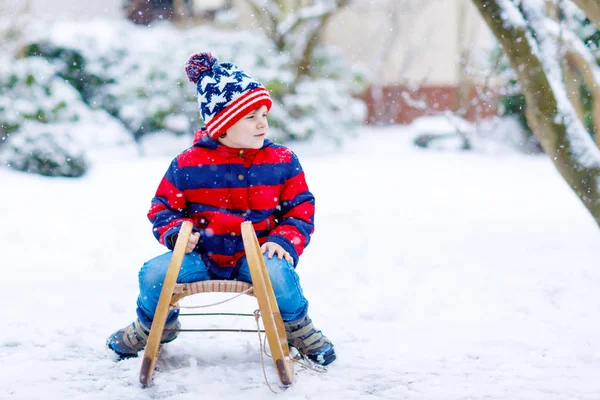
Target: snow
511, 15
437, 276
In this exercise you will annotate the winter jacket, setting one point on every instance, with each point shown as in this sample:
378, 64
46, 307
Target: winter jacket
217, 188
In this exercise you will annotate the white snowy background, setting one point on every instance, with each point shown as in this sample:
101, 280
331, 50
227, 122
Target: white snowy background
437, 275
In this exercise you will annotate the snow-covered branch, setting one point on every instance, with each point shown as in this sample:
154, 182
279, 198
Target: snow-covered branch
579, 56
296, 29
547, 32
533, 50
591, 8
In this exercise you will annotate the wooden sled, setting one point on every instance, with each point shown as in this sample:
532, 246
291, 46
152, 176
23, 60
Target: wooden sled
261, 288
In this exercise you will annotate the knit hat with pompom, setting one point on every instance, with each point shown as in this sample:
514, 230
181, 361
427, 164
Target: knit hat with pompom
225, 92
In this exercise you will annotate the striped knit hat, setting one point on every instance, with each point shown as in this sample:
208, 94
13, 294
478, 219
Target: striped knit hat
225, 93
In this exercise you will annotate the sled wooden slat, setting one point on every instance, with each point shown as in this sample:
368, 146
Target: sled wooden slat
217, 286
263, 291
164, 302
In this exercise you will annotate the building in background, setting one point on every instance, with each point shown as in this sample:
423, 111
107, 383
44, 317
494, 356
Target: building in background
425, 56
422, 57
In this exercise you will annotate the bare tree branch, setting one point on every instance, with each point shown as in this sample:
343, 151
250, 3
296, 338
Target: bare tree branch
268, 14
296, 29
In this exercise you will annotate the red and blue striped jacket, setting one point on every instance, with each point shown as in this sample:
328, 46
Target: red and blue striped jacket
217, 188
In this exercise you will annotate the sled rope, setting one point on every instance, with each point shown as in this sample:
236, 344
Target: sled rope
262, 342
304, 362
309, 364
177, 306
262, 349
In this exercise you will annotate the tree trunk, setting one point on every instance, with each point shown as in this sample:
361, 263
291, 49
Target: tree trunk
570, 151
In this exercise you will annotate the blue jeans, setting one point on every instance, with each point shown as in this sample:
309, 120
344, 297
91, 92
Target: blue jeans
286, 284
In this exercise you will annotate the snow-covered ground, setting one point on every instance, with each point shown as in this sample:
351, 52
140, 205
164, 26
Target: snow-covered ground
437, 276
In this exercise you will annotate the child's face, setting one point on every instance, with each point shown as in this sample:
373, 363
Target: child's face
249, 132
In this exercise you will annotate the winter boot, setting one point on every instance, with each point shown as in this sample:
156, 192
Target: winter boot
127, 342
302, 335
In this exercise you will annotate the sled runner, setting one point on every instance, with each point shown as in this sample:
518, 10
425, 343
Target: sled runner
261, 288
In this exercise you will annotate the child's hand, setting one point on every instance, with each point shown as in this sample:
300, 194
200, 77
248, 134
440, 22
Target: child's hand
274, 248
194, 238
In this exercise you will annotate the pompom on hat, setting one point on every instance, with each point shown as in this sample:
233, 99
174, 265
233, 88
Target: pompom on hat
225, 93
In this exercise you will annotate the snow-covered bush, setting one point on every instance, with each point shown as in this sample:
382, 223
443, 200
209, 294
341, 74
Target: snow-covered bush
35, 99
45, 150
107, 83
136, 73
318, 108
31, 91
32, 95
70, 65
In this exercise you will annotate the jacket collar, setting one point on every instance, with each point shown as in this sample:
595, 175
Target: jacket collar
202, 139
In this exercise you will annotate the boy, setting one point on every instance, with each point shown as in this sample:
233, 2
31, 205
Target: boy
231, 174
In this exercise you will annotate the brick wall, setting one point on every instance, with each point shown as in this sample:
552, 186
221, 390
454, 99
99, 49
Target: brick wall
402, 104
